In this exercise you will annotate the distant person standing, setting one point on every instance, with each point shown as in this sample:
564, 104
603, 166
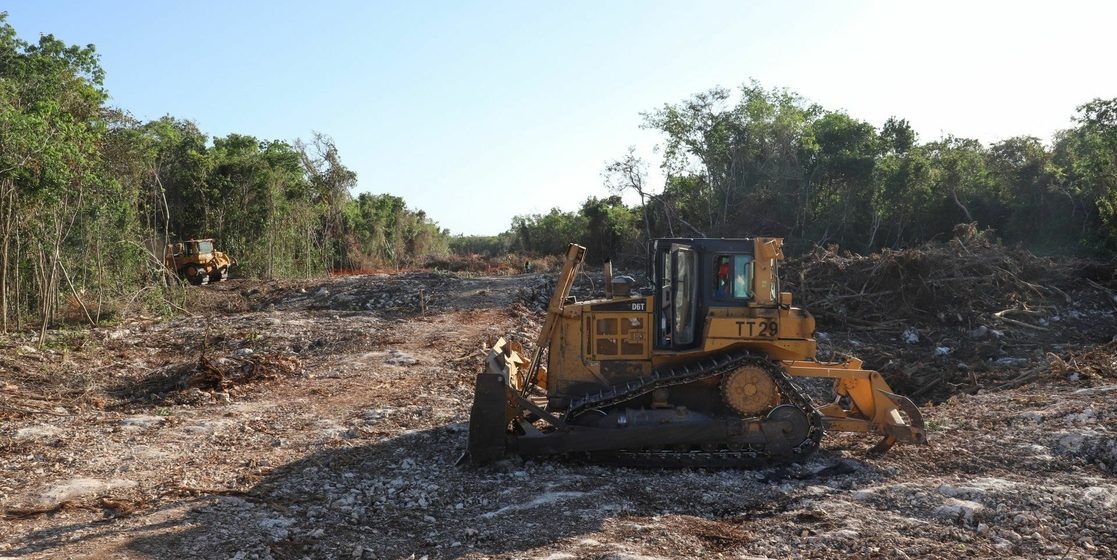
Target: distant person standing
527, 266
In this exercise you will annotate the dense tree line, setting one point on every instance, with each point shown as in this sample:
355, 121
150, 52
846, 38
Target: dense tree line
768, 162
89, 196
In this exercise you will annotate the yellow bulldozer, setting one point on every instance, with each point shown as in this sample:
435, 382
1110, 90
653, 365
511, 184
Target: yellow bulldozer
197, 262
703, 372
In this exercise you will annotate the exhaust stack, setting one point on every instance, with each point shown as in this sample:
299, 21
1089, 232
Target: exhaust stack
608, 279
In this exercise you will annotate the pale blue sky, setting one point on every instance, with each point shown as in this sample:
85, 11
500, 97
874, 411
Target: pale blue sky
476, 111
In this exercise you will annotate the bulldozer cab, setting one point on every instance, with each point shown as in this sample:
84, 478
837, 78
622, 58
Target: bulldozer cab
200, 247
193, 248
691, 276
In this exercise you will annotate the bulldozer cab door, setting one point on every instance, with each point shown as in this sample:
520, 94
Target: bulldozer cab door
693, 276
677, 292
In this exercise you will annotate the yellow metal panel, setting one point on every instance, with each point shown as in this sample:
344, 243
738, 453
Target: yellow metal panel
618, 335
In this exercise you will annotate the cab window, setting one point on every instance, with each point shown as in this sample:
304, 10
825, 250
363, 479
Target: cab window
732, 277
683, 330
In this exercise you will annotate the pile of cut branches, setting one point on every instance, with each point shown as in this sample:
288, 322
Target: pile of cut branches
172, 382
970, 281
224, 373
968, 314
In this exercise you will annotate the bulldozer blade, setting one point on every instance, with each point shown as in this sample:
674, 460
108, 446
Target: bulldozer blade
488, 421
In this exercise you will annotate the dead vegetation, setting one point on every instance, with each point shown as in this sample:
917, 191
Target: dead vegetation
968, 282
1097, 363
186, 381
958, 316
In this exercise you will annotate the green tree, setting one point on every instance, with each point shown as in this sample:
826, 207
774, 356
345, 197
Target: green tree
1087, 158
735, 169
841, 154
51, 127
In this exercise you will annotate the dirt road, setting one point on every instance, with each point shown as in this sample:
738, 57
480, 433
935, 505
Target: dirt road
327, 417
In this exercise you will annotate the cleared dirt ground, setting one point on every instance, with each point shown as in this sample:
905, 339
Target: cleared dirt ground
326, 417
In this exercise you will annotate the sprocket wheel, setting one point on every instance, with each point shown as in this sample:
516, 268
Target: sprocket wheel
750, 391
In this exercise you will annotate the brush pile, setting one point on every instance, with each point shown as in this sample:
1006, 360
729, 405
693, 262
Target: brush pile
199, 380
1095, 363
970, 281
967, 314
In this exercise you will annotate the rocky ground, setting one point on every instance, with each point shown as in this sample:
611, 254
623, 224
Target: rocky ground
322, 419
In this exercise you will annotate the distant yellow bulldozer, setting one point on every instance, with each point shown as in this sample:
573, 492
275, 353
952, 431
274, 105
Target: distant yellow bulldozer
701, 372
197, 262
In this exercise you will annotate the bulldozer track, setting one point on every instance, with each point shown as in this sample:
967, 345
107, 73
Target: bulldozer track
668, 376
